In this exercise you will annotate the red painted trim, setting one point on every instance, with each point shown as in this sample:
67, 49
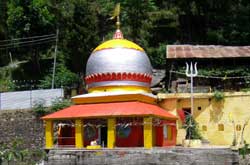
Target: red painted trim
121, 76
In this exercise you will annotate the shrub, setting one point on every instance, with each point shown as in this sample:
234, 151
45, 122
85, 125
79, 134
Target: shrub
57, 104
39, 108
191, 126
218, 96
14, 153
63, 77
245, 150
60, 103
7, 85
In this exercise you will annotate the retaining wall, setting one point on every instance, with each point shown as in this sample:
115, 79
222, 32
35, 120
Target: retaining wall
159, 156
21, 124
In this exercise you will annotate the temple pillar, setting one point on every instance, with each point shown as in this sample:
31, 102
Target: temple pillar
79, 133
148, 132
111, 132
49, 133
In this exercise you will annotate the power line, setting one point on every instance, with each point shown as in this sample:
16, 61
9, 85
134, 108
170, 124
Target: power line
29, 44
214, 77
27, 38
24, 42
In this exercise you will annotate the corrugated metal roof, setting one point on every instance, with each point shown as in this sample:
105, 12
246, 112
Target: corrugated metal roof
207, 51
110, 110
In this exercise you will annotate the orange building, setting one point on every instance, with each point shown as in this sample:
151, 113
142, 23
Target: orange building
119, 109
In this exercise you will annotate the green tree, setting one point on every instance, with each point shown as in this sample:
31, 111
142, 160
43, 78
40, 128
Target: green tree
150, 23
29, 18
63, 77
78, 23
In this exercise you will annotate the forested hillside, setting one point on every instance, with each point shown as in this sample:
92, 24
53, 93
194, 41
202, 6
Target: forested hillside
28, 32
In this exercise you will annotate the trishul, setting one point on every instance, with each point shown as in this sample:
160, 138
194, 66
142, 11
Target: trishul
192, 72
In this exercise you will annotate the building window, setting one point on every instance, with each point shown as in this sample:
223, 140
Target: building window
238, 127
221, 127
204, 128
199, 108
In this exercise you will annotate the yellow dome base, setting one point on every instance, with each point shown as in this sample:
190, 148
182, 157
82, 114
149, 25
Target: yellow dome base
118, 43
119, 89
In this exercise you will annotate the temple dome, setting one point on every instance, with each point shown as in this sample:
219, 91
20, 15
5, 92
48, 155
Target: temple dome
118, 64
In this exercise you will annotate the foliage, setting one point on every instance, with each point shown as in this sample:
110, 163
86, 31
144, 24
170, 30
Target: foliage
58, 104
218, 96
15, 153
63, 77
192, 128
6, 85
83, 24
39, 108
244, 150
157, 55
224, 71
220, 76
245, 89
78, 24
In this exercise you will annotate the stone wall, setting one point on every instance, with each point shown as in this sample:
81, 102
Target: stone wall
21, 124
140, 156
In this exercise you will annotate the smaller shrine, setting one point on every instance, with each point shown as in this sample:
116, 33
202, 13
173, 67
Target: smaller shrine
119, 109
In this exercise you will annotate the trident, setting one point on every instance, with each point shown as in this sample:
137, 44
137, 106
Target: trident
191, 73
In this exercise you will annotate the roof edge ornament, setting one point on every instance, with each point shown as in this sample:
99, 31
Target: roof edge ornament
118, 33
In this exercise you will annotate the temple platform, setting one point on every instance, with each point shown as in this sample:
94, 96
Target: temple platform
206, 155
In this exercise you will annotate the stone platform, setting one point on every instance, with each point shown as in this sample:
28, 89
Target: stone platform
141, 156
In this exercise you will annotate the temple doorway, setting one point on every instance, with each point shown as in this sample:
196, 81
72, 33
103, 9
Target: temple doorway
103, 136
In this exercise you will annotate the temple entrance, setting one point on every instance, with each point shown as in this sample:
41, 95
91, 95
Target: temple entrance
129, 132
103, 136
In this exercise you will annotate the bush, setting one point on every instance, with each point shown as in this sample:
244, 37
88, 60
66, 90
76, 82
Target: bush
39, 108
191, 126
63, 77
59, 104
7, 85
245, 150
14, 153
218, 96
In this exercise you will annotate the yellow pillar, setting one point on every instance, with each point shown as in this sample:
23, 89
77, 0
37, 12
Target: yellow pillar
148, 132
49, 133
111, 132
79, 136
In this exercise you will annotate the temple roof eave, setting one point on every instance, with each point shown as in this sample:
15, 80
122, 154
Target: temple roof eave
119, 109
102, 97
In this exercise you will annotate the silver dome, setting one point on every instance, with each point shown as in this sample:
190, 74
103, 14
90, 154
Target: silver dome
118, 60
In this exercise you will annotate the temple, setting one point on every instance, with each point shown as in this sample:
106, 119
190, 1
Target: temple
119, 109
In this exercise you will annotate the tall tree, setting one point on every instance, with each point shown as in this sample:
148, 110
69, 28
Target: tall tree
28, 18
3, 29
79, 29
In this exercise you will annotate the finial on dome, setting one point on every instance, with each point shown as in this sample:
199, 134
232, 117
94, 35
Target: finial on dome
118, 34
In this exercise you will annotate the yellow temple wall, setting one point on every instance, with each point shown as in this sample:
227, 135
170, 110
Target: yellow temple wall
213, 115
